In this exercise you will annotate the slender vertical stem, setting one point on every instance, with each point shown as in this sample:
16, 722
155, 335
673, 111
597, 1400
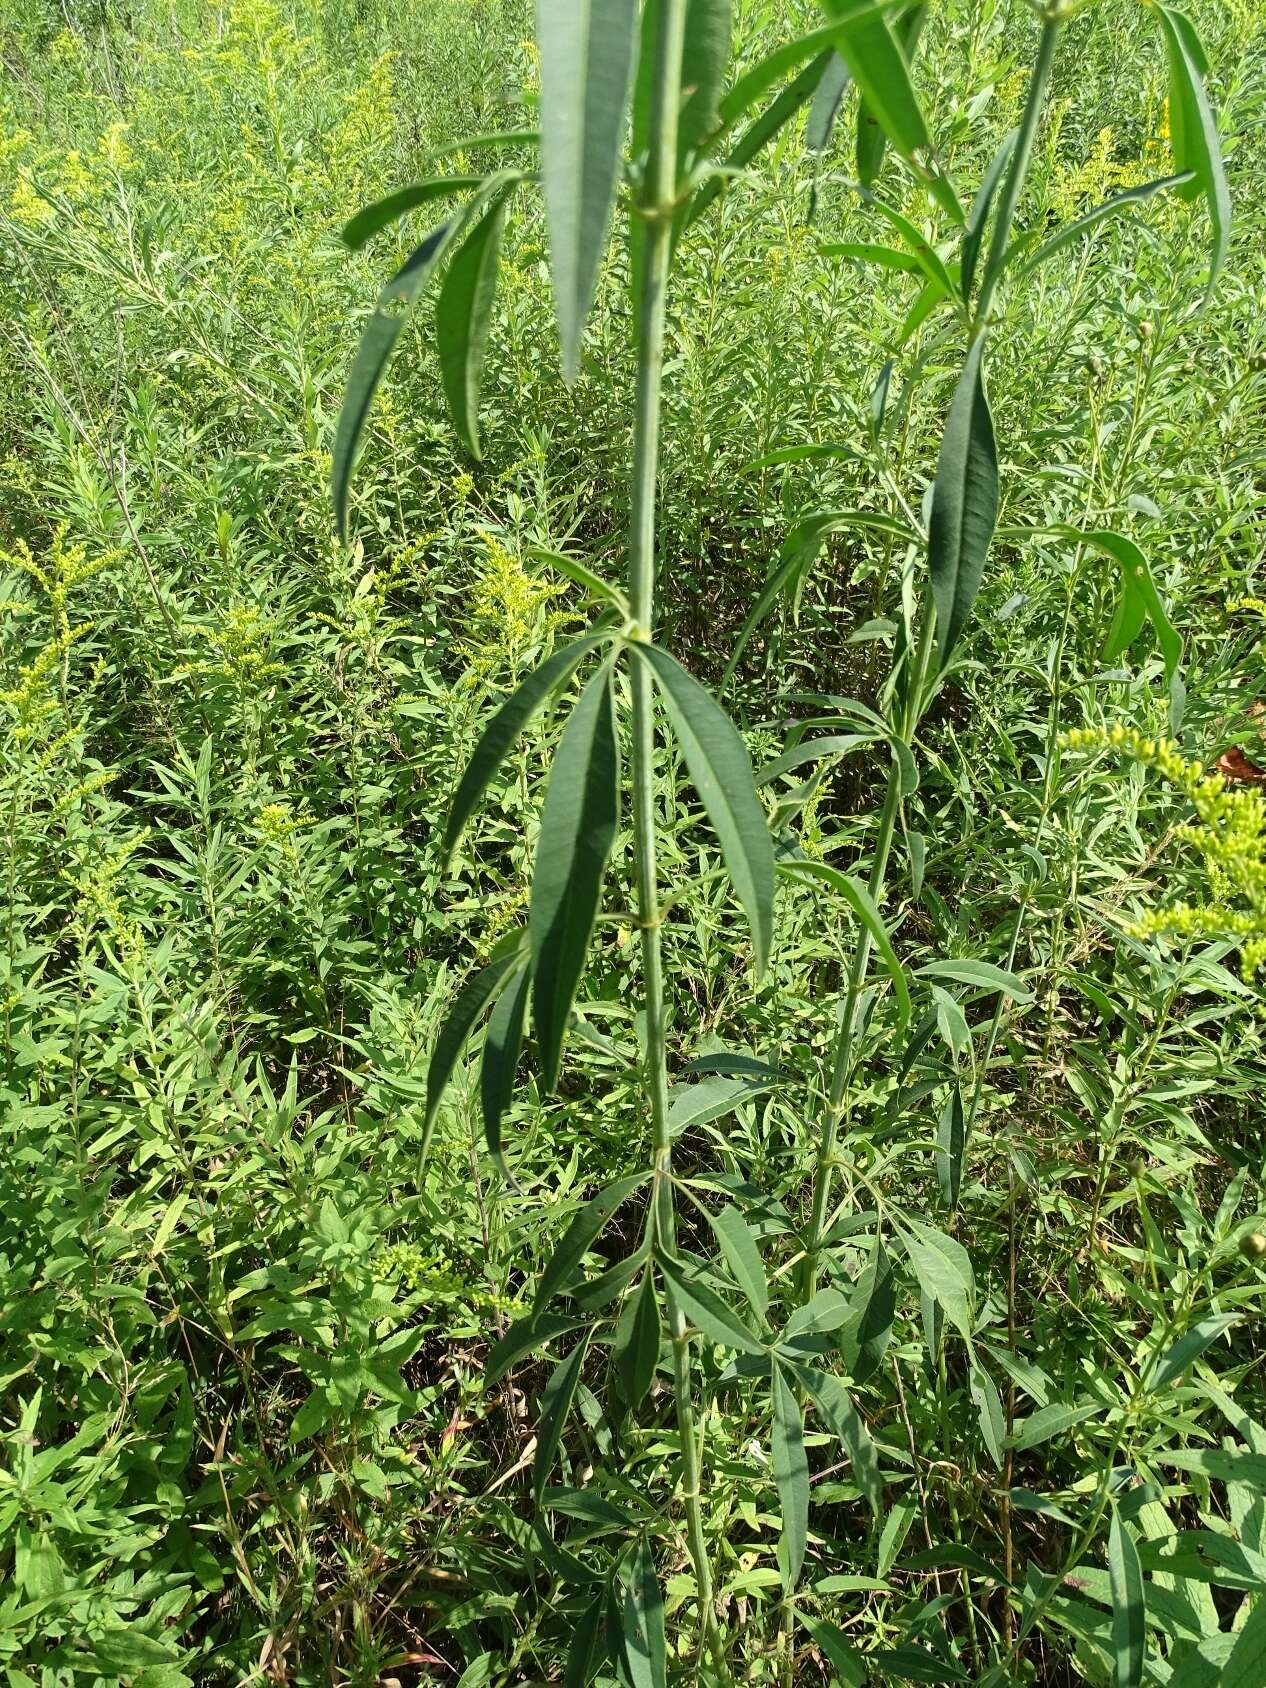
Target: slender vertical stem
656, 207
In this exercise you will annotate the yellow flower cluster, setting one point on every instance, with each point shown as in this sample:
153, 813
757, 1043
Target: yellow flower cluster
1229, 833
507, 607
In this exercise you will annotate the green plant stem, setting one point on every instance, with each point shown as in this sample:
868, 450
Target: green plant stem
657, 209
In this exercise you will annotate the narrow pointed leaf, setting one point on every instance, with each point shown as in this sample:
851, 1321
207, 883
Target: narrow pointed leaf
506, 725
978, 216
642, 1621
950, 1140
1246, 1666
705, 59
556, 1400
862, 904
578, 825
526, 1336
469, 1003
978, 975
943, 1268
722, 773
964, 503
826, 105
922, 251
586, 49
1128, 1605
377, 341
791, 1475
872, 1306
637, 1341
502, 1042
871, 140
463, 313
588, 1646
742, 1256
993, 1424
839, 1415
371, 218
704, 1308
581, 1233
1194, 131
1188, 1349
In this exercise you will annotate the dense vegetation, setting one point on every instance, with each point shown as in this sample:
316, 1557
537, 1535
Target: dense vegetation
274, 1403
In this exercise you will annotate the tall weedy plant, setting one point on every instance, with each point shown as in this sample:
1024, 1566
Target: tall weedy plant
666, 62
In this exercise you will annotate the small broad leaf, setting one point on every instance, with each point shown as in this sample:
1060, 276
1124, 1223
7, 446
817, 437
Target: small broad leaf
742, 1256
578, 826
964, 503
943, 1268
586, 49
556, 1400
842, 1419
502, 1042
704, 1308
642, 1620
978, 216
1129, 1613
859, 900
368, 221
1189, 1348
791, 1475
950, 1142
637, 1339
463, 312
469, 1003
722, 773
581, 1233
1194, 132
506, 725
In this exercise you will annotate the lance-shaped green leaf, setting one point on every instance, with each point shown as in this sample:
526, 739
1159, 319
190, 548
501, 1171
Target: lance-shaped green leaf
791, 1475
588, 1647
842, 1419
581, 1234
964, 503
704, 60
1188, 1349
943, 1268
1129, 1611
506, 725
1246, 1666
586, 49
502, 1042
1194, 132
556, 1400
978, 216
871, 140
526, 1336
742, 1256
922, 251
463, 313
1114, 207
578, 825
950, 1141
637, 1338
391, 207
722, 773
1139, 599
826, 105
642, 1620
866, 1332
377, 341
993, 1424
862, 904
469, 1003
705, 1309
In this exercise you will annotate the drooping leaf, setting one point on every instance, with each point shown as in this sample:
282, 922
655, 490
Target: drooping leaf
705, 1309
556, 1400
964, 503
367, 222
842, 1419
469, 1003
978, 216
950, 1142
506, 725
1194, 132
463, 313
862, 904
1114, 207
1138, 590
502, 1042
578, 825
871, 140
526, 1336
704, 61
742, 1256
642, 1620
920, 248
586, 49
791, 1475
993, 1424
826, 105
979, 975
637, 1340
943, 1268
865, 1335
1128, 1605
580, 1235
722, 773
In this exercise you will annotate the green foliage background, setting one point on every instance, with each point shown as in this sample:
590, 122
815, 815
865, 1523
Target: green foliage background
241, 1341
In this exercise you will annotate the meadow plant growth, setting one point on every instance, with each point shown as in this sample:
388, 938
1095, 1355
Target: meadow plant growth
616, 1067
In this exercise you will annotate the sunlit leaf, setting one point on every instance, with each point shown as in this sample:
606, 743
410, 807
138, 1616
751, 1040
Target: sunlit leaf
964, 503
463, 314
